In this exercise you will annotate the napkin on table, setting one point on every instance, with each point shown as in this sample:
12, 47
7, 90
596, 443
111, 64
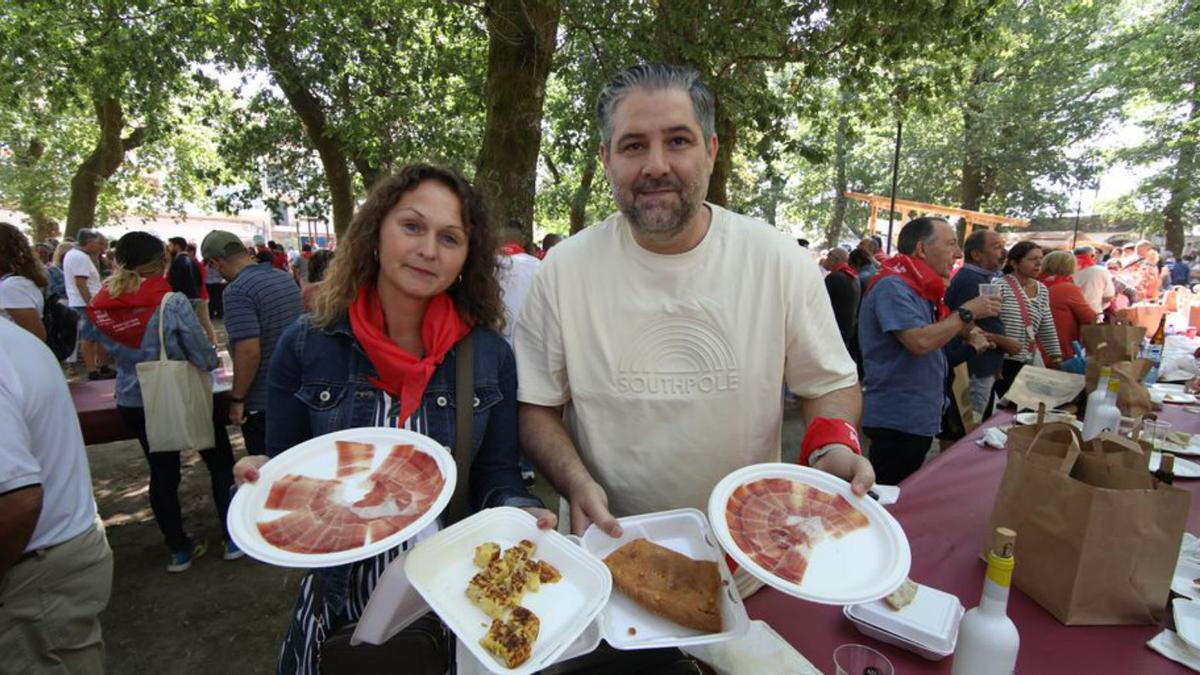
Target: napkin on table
759, 650
1170, 645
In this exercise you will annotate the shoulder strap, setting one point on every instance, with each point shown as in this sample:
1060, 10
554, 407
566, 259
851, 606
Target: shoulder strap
1020, 293
464, 396
162, 343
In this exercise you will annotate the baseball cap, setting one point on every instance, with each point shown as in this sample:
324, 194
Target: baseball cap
221, 244
259, 241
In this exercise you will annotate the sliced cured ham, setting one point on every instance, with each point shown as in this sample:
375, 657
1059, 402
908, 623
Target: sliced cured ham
354, 458
320, 519
778, 522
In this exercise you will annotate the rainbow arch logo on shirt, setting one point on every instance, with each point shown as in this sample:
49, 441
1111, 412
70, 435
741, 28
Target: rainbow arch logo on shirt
675, 357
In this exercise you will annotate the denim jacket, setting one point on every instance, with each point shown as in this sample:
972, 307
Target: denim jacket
186, 341
319, 382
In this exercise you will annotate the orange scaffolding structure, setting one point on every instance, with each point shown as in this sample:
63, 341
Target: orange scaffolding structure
907, 207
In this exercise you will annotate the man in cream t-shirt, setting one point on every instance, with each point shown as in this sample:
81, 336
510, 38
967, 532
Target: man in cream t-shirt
652, 346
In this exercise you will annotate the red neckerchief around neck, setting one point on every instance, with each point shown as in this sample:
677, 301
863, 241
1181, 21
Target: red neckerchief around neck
919, 276
125, 317
401, 374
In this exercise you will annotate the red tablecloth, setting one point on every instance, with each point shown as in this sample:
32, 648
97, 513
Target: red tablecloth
96, 407
944, 509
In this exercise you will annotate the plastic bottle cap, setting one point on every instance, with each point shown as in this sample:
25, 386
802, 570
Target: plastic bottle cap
1114, 385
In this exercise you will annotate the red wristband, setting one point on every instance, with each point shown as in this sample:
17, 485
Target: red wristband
824, 431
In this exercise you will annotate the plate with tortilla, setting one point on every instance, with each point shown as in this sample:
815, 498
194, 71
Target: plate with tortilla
672, 587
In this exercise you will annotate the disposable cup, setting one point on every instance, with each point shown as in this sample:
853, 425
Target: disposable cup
992, 290
1156, 432
858, 659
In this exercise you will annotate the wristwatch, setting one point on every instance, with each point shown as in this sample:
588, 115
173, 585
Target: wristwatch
965, 314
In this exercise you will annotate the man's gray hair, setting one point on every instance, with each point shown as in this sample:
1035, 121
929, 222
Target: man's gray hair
654, 76
86, 236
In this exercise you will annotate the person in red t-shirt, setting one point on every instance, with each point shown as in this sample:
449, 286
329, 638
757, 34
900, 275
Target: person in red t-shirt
1067, 304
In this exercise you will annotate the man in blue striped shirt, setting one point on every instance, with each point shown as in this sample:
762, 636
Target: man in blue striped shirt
260, 302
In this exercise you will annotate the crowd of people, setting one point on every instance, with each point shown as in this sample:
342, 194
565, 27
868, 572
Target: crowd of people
910, 318
634, 368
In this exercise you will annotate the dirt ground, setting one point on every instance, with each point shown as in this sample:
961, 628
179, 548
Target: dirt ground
218, 616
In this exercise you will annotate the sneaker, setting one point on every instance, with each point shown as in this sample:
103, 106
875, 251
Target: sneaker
108, 372
181, 561
232, 552
101, 375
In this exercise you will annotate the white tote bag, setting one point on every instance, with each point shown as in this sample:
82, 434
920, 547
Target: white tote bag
178, 400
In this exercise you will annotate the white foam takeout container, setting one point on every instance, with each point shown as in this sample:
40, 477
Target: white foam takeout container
626, 625
317, 457
1187, 621
927, 626
864, 565
440, 567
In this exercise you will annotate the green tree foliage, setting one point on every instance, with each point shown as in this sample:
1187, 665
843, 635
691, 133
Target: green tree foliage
1164, 84
121, 64
373, 83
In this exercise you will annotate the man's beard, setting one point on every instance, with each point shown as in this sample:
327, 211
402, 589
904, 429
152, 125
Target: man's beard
660, 222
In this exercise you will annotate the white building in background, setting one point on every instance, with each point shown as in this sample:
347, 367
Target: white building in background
192, 226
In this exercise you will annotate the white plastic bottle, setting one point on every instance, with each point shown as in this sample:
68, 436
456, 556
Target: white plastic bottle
1105, 416
987, 638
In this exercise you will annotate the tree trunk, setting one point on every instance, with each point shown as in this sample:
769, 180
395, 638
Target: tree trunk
1184, 178
834, 235
277, 45
723, 166
101, 164
521, 43
583, 193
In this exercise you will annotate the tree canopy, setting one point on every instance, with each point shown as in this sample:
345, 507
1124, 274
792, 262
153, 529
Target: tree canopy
113, 107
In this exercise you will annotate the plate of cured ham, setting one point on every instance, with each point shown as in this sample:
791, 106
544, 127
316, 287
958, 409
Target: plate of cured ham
342, 497
804, 532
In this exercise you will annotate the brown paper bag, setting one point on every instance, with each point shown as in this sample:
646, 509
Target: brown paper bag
1132, 398
1145, 315
1097, 541
960, 386
1108, 343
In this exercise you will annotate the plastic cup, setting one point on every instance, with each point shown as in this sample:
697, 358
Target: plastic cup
861, 660
990, 290
1156, 432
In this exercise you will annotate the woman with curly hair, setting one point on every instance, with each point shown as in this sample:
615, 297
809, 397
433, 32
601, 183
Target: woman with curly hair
23, 282
413, 276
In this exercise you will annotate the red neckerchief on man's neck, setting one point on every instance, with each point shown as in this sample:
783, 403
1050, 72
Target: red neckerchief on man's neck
401, 374
1052, 280
919, 276
511, 248
1084, 261
125, 317
845, 267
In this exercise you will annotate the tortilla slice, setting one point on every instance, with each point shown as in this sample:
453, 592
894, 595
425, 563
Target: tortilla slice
669, 584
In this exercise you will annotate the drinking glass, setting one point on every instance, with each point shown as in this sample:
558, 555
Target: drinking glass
859, 660
992, 290
1156, 432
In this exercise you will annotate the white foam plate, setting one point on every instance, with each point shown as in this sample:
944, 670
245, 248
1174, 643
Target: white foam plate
1184, 468
862, 566
1181, 583
624, 624
440, 568
1179, 398
1187, 620
317, 458
1027, 418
